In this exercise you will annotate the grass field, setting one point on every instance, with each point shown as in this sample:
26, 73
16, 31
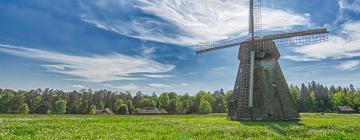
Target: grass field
214, 126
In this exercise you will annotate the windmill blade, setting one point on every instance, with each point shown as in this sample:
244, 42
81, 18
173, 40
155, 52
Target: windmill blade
296, 34
217, 45
255, 19
302, 40
299, 38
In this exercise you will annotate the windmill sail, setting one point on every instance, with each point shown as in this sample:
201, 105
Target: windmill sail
255, 24
296, 34
212, 46
255, 21
300, 38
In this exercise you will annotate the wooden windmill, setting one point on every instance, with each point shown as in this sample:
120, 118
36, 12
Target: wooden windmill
261, 91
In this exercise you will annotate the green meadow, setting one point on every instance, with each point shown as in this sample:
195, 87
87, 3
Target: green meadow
213, 126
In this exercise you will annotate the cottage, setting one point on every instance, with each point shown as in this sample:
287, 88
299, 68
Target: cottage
345, 110
149, 111
105, 111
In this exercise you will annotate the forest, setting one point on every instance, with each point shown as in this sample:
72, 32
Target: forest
311, 97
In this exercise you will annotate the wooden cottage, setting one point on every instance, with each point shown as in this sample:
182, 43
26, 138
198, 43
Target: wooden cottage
149, 111
345, 110
105, 111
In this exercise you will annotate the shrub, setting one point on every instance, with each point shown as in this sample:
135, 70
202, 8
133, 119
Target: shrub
163, 111
117, 105
123, 110
136, 110
92, 110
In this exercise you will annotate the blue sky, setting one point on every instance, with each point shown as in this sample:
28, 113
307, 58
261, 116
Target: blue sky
146, 45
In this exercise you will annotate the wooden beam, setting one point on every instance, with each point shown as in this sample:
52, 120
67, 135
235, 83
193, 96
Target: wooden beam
251, 82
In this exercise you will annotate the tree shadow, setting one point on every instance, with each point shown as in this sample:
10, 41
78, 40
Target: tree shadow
279, 127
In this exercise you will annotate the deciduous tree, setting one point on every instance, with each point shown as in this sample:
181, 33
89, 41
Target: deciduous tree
59, 107
205, 107
25, 109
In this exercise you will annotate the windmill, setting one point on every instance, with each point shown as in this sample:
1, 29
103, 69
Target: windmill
261, 91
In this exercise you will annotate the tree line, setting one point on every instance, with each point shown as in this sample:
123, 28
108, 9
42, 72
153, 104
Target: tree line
312, 97
315, 97
49, 101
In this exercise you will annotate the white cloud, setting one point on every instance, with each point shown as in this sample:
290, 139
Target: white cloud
194, 21
78, 86
94, 68
148, 51
349, 65
353, 5
220, 69
298, 58
158, 75
129, 87
125, 87
344, 45
159, 85
185, 84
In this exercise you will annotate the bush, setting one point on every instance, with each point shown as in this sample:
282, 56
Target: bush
163, 111
123, 110
136, 110
205, 107
92, 110
117, 105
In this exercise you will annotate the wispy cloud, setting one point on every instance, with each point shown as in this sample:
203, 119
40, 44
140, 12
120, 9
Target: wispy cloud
299, 58
183, 22
220, 69
96, 68
78, 86
158, 75
349, 65
159, 85
128, 87
343, 45
124, 87
353, 5
185, 84
148, 51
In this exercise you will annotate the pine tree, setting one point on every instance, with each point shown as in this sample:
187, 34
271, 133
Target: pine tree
305, 101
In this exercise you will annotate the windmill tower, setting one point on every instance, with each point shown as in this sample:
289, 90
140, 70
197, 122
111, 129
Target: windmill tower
261, 91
